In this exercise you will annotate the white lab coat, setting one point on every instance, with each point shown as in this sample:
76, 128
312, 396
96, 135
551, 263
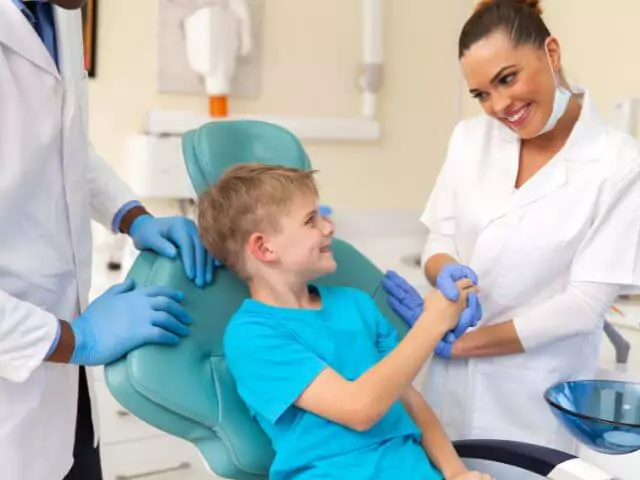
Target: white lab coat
51, 183
577, 220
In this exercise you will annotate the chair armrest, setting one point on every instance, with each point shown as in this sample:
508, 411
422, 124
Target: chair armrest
543, 461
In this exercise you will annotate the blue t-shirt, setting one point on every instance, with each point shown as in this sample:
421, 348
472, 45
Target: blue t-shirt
275, 353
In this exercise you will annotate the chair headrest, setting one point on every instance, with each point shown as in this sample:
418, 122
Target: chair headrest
213, 148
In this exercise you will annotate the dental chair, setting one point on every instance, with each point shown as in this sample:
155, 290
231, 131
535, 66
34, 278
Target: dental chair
188, 391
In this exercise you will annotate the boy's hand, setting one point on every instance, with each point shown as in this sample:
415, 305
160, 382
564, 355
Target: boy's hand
448, 312
470, 476
408, 304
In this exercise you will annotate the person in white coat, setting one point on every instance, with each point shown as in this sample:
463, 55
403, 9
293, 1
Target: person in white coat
538, 202
52, 183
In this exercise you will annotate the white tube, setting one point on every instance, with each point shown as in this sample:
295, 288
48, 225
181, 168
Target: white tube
372, 31
372, 71
369, 103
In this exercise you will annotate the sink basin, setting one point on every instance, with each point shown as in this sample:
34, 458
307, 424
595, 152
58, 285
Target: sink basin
602, 414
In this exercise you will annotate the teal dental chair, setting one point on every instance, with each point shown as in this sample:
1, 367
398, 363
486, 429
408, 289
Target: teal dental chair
187, 390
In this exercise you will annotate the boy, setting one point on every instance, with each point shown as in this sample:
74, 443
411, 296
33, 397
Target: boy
319, 367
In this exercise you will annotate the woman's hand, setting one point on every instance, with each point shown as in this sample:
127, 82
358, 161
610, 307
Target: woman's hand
408, 304
403, 299
449, 275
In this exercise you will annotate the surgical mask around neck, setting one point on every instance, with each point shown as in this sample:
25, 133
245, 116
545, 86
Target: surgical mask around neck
560, 100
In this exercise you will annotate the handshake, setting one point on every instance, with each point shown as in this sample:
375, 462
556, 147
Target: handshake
454, 301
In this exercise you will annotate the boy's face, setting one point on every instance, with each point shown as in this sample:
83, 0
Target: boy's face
302, 248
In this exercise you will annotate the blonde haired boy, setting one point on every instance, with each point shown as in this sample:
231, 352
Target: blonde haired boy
320, 368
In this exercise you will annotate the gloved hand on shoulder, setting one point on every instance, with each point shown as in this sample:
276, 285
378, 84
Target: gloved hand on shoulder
170, 236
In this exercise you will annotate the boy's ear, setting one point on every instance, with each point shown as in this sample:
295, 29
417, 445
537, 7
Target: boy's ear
259, 248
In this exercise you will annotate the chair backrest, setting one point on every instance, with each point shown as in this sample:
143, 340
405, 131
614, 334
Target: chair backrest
188, 390
214, 147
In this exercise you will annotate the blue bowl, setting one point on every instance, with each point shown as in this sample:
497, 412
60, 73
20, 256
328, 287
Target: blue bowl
602, 414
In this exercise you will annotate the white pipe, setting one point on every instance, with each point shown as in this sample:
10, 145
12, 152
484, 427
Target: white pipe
372, 56
369, 103
372, 31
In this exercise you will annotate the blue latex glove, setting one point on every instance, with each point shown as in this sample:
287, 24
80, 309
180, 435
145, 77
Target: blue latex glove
449, 275
444, 348
403, 299
469, 317
167, 236
408, 304
124, 318
325, 210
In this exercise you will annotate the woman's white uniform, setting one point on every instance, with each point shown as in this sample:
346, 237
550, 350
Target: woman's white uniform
577, 220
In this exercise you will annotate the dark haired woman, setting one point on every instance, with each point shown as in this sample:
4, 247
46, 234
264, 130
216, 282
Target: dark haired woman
539, 202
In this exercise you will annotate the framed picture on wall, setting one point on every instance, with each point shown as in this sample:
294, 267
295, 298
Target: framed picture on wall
89, 24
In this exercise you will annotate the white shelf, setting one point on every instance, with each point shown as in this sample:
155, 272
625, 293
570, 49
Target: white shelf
176, 122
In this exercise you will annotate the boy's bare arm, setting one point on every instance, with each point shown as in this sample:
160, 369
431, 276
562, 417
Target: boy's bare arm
434, 265
434, 439
360, 404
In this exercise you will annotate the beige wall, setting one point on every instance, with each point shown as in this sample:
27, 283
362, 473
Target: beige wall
599, 43
309, 69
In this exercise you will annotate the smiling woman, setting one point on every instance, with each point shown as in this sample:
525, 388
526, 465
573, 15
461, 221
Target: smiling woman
528, 55
537, 203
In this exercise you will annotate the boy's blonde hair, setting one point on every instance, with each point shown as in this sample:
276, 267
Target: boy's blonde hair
248, 198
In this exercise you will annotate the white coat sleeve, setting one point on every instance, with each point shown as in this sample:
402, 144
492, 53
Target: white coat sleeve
606, 263
580, 309
611, 251
26, 334
439, 215
107, 191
